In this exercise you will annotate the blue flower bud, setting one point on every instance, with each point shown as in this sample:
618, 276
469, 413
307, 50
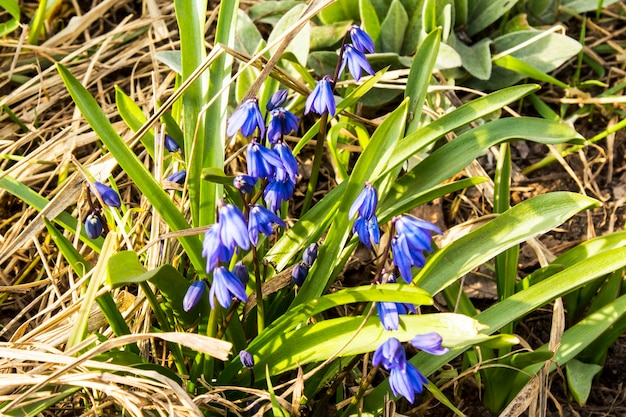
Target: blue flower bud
277, 100
244, 183
193, 295
241, 272
170, 144
430, 343
299, 273
93, 226
246, 359
310, 254
178, 177
361, 40
107, 194
321, 98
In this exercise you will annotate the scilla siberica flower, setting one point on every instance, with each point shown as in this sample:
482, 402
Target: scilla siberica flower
107, 194
361, 40
226, 286
277, 100
262, 162
429, 343
389, 312
283, 123
261, 220
412, 238
246, 118
366, 225
356, 62
321, 98
93, 226
310, 254
299, 273
233, 227
170, 144
276, 192
404, 378
178, 177
194, 294
289, 161
244, 183
214, 250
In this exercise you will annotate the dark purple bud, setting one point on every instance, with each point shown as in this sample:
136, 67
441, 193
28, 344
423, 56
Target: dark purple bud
178, 177
107, 194
299, 273
246, 359
277, 100
193, 295
170, 144
93, 226
241, 272
244, 183
310, 254
321, 98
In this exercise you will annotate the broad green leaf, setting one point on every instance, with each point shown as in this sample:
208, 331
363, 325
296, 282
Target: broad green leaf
485, 13
339, 10
392, 29
476, 58
328, 36
529, 218
124, 268
514, 64
131, 165
269, 11
170, 58
369, 19
12, 7
248, 39
579, 379
134, 118
299, 46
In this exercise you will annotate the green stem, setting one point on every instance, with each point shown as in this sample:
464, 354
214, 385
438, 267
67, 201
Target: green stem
359, 395
260, 310
317, 163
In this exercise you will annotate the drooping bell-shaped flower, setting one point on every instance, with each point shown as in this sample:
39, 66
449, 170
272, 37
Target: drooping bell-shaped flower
262, 162
261, 220
193, 295
213, 249
310, 254
321, 99
355, 61
178, 177
233, 227
244, 183
299, 273
283, 122
107, 194
241, 272
246, 118
277, 100
170, 144
412, 238
430, 343
289, 161
388, 315
367, 230
246, 359
93, 226
361, 40
276, 192
225, 286
365, 204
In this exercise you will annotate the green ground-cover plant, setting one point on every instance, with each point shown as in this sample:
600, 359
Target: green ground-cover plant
293, 342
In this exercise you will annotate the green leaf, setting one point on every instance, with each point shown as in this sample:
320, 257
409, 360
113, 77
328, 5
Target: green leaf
485, 12
392, 28
476, 59
514, 64
579, 379
134, 118
529, 218
132, 165
170, 58
248, 39
299, 46
12, 7
369, 19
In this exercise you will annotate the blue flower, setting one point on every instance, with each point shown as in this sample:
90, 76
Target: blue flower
299, 273
310, 254
288, 160
412, 239
276, 192
321, 99
404, 378
226, 286
178, 177
356, 62
262, 162
277, 100
193, 295
241, 272
246, 118
93, 226
361, 41
213, 249
367, 230
170, 144
233, 228
283, 122
261, 220
365, 203
246, 359
430, 343
107, 194
244, 183
388, 315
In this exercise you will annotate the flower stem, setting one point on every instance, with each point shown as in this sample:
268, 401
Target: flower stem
317, 163
260, 310
361, 392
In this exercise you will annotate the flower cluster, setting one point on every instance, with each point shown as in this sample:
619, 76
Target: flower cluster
404, 378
